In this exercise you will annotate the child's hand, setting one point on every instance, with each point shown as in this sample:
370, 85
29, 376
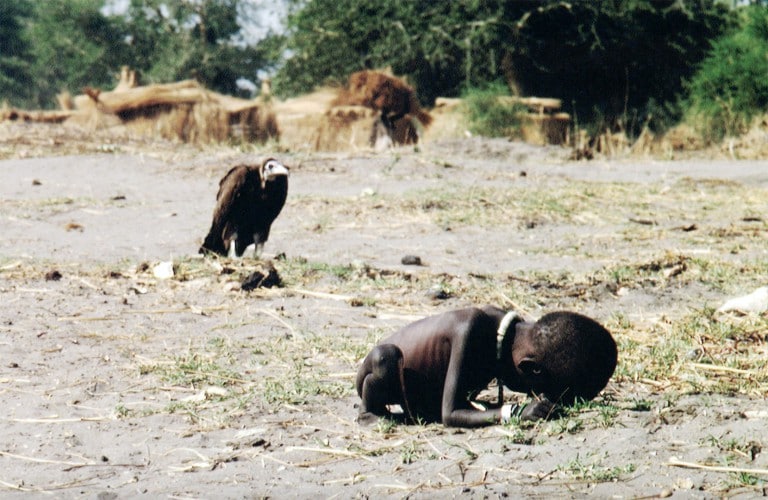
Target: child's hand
538, 409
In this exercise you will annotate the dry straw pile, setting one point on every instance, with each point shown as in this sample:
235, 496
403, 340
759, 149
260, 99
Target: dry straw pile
183, 110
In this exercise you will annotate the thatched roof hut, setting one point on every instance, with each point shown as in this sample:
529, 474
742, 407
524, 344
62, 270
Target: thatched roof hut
183, 110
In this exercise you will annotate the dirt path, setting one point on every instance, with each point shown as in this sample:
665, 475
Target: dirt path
117, 383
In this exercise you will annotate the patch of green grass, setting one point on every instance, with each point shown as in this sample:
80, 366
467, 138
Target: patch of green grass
121, 411
517, 434
701, 352
607, 415
619, 321
298, 387
410, 453
360, 280
386, 426
564, 425
192, 369
735, 447
455, 206
746, 479
640, 405
594, 472
302, 269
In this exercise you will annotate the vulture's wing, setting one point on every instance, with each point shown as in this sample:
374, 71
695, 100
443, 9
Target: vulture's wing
231, 187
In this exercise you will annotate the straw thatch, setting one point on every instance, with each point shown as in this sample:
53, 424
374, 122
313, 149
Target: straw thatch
544, 129
15, 114
382, 92
349, 118
311, 123
543, 123
183, 110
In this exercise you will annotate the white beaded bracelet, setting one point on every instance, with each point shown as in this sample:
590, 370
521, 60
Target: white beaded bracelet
511, 410
506, 413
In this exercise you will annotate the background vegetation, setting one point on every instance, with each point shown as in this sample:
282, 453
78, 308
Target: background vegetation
489, 116
731, 87
616, 65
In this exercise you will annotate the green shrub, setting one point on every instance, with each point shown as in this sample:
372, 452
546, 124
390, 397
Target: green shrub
489, 114
731, 86
614, 65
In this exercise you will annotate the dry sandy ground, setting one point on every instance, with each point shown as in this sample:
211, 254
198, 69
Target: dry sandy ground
118, 384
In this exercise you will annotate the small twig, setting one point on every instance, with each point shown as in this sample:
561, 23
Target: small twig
514, 306
329, 451
654, 383
193, 309
47, 490
89, 318
440, 453
345, 480
86, 283
55, 420
674, 462
214, 375
716, 368
11, 266
276, 460
321, 295
102, 464
395, 486
204, 462
388, 316
42, 460
279, 319
19, 488
644, 222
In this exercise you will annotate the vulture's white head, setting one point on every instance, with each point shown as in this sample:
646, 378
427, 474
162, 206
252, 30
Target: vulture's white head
272, 169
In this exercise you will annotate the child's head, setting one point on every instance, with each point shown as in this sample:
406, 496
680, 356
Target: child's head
565, 356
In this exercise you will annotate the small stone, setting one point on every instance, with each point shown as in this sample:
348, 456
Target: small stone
411, 260
163, 270
74, 226
53, 275
694, 354
437, 292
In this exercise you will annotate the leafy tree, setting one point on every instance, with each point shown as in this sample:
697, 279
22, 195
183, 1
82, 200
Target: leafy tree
15, 66
54, 45
441, 46
74, 45
618, 65
731, 87
170, 41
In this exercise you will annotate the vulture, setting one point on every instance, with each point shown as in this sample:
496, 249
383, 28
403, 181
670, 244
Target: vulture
250, 198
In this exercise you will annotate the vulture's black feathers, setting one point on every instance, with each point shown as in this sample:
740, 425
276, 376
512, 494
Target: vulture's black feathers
250, 198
